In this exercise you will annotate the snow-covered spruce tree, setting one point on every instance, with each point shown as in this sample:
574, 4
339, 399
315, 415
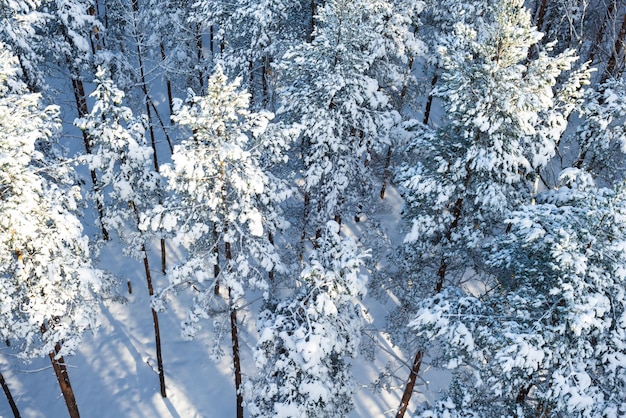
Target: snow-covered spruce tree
503, 121
49, 291
305, 341
548, 340
341, 109
128, 184
223, 204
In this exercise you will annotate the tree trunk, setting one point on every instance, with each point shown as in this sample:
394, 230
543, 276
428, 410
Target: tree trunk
64, 382
144, 89
234, 337
429, 100
7, 392
408, 389
198, 36
312, 21
236, 360
541, 14
216, 266
83, 111
597, 46
441, 274
264, 82
168, 83
270, 274
155, 317
386, 172
155, 322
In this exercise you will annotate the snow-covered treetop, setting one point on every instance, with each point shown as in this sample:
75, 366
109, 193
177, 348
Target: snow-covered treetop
48, 289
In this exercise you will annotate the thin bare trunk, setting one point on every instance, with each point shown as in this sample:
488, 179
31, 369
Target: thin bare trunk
168, 83
264, 83
597, 45
7, 393
386, 173
541, 14
199, 55
312, 21
270, 238
155, 322
163, 128
429, 100
236, 359
155, 317
235, 338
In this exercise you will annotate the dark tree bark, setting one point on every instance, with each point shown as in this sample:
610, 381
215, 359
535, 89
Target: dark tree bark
155, 322
7, 393
60, 370
236, 359
155, 316
147, 101
441, 275
408, 389
81, 106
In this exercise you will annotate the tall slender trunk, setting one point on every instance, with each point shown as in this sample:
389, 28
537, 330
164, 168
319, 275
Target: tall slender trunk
168, 83
429, 100
264, 81
60, 370
234, 337
155, 317
198, 36
312, 21
155, 322
441, 274
270, 238
597, 46
541, 14
144, 89
81, 106
7, 393
236, 359
216, 265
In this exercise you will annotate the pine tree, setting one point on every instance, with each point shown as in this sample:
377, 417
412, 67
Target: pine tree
223, 204
503, 122
339, 106
548, 338
305, 341
49, 292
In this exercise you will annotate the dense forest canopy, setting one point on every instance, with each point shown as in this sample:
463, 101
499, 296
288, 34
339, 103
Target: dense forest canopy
243, 152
